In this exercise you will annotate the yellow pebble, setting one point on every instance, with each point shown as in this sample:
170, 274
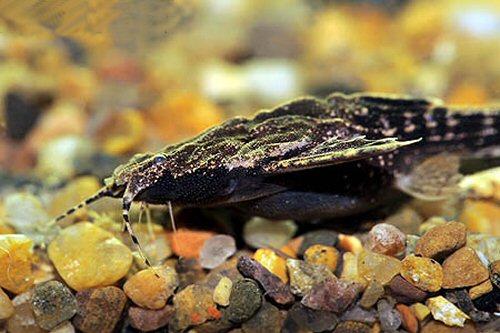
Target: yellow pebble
420, 310
322, 254
350, 243
222, 291
274, 263
16, 257
481, 216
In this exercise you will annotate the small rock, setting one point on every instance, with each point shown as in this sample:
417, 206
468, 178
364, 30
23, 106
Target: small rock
16, 257
350, 243
410, 322
260, 232
6, 306
423, 273
273, 286
421, 311
443, 310
481, 289
268, 319
244, 301
437, 327
352, 327
322, 237
440, 241
350, 269
193, 306
195, 238
52, 304
100, 309
386, 239
150, 288
390, 319
273, 262
379, 267
405, 292
332, 295
300, 317
495, 273
87, 256
23, 320
304, 276
463, 269
149, 320
359, 314
411, 244
322, 255
216, 250
372, 294
222, 291
431, 223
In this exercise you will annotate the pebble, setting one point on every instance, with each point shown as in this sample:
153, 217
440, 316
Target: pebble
386, 239
87, 256
301, 318
350, 269
23, 320
216, 250
52, 304
195, 238
431, 223
273, 262
444, 311
357, 313
379, 267
438, 327
100, 309
322, 255
244, 301
193, 306
304, 276
463, 269
481, 289
372, 294
6, 306
350, 243
406, 292
481, 216
222, 291
261, 232
411, 244
495, 273
420, 310
332, 295
485, 244
150, 288
410, 322
389, 318
322, 237
146, 320
272, 285
16, 257
352, 327
268, 319
423, 273
440, 241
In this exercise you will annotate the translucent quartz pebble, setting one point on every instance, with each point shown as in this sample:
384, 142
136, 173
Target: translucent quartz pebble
6, 306
216, 251
379, 267
386, 239
443, 310
390, 319
16, 256
424, 273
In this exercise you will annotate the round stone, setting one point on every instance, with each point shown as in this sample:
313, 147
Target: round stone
16, 256
442, 240
244, 301
386, 239
216, 250
322, 255
463, 269
222, 291
260, 232
151, 288
87, 256
193, 306
423, 273
6, 306
379, 267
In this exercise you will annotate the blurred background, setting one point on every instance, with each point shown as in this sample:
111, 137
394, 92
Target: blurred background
86, 83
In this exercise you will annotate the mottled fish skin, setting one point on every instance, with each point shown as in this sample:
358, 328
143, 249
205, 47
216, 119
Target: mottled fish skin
308, 157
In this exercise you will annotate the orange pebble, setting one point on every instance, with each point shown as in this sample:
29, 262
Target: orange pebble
410, 322
322, 254
191, 241
350, 243
288, 251
274, 263
214, 312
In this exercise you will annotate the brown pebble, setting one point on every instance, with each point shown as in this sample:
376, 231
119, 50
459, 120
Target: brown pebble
386, 239
463, 269
405, 292
100, 309
149, 320
434, 326
273, 286
332, 295
481, 289
410, 322
352, 327
442, 240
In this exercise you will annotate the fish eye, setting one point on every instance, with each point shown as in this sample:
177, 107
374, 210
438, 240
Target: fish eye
160, 158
